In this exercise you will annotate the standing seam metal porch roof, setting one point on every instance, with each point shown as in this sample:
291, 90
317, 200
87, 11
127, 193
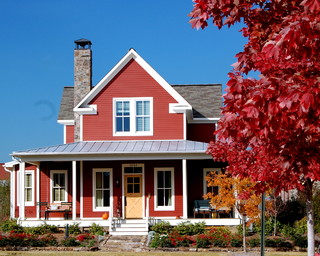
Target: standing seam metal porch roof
119, 147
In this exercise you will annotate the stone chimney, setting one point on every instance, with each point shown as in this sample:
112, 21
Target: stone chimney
82, 77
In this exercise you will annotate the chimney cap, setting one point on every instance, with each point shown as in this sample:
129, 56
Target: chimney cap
83, 43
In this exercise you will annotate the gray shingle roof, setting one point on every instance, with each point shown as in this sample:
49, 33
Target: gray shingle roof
205, 99
66, 105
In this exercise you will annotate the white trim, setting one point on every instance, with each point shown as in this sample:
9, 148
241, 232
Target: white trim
64, 134
74, 190
94, 171
22, 166
143, 186
184, 126
81, 189
172, 206
66, 122
90, 110
133, 132
13, 192
213, 120
81, 127
37, 188
184, 189
132, 54
66, 185
204, 174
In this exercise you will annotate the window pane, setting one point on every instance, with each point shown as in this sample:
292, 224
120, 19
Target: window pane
146, 125
126, 108
119, 108
62, 195
167, 200
139, 124
98, 180
28, 195
130, 188
136, 179
55, 179
126, 124
106, 180
106, 198
56, 194
139, 108
160, 179
136, 188
119, 126
130, 179
99, 198
167, 179
160, 197
147, 107
61, 179
28, 180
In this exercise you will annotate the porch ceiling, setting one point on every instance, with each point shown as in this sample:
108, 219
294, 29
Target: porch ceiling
118, 150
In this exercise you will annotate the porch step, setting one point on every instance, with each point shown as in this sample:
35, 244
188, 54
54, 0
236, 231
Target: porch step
125, 244
134, 227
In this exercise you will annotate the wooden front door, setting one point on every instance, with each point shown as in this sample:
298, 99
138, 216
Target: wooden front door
133, 196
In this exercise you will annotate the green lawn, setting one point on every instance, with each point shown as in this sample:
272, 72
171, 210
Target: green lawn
67, 253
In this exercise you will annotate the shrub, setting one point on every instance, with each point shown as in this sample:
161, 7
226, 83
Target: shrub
162, 240
236, 240
202, 241
74, 229
96, 229
277, 242
253, 242
50, 240
287, 231
187, 228
69, 242
162, 227
11, 225
42, 229
301, 241
300, 227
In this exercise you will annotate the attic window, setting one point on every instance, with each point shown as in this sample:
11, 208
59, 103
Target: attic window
133, 116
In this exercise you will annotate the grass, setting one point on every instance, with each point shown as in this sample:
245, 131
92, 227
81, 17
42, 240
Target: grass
67, 253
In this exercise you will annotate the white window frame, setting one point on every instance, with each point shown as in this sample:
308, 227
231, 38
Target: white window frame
26, 203
205, 173
163, 208
94, 207
52, 172
133, 132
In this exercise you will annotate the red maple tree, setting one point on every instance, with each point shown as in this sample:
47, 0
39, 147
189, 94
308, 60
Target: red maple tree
270, 127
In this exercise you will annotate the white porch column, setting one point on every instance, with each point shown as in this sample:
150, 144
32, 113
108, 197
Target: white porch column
22, 167
184, 189
38, 189
13, 174
81, 189
74, 190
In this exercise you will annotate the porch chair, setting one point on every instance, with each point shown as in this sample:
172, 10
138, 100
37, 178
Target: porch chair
43, 207
202, 207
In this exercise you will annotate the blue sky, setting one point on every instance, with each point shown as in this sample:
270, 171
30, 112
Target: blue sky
37, 55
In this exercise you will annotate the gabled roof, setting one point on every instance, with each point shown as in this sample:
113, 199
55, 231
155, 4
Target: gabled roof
181, 106
205, 99
118, 150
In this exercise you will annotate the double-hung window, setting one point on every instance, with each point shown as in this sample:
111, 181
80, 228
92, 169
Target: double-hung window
28, 188
133, 116
59, 186
102, 181
164, 188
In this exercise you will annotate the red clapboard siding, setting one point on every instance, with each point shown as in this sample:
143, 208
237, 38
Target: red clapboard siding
69, 133
201, 132
133, 81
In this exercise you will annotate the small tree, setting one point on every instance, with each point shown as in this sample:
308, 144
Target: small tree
4, 200
274, 206
234, 192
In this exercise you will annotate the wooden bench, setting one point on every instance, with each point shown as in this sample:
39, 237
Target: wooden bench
65, 208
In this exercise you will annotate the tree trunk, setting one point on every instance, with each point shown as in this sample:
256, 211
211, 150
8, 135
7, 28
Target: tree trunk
275, 226
244, 233
310, 217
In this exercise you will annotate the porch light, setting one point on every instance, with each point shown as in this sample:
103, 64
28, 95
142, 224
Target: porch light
117, 182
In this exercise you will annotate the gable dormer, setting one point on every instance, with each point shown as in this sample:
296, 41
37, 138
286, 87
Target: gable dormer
132, 102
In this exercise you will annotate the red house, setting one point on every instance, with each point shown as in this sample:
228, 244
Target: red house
134, 147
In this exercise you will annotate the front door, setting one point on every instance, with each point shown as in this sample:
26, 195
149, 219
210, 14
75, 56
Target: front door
133, 196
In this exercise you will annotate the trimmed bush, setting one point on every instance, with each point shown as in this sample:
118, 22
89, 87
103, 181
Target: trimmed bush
162, 227
69, 242
11, 225
96, 229
74, 228
188, 228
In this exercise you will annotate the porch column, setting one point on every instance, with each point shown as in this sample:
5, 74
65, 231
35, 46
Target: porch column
22, 167
81, 189
74, 190
184, 189
38, 190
